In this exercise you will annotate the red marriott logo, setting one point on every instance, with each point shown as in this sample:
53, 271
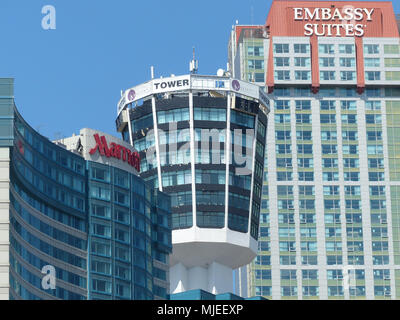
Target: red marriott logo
116, 151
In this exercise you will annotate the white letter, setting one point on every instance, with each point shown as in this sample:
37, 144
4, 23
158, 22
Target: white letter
349, 30
369, 14
308, 29
326, 14
358, 15
348, 11
359, 28
49, 21
49, 281
337, 14
297, 13
309, 16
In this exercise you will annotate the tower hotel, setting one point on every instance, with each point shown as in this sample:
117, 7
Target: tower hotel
330, 210
79, 223
201, 140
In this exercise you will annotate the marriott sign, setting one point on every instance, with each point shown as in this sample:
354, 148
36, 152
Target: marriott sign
335, 22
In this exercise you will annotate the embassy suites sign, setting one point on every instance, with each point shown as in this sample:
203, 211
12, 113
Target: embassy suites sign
334, 22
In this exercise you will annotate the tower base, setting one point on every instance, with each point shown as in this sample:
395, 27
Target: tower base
215, 278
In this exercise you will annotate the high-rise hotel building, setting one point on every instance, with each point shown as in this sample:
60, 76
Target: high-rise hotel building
330, 211
202, 141
76, 221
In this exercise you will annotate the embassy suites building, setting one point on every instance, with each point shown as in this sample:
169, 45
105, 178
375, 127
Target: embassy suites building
330, 210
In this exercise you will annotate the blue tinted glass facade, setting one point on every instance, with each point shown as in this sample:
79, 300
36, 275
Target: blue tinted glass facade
105, 232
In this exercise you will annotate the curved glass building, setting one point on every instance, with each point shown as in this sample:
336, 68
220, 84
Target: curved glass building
201, 140
77, 224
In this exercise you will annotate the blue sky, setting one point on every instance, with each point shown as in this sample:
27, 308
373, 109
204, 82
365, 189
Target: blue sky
71, 77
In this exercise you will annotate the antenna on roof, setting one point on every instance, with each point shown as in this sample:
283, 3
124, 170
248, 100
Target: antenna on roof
194, 64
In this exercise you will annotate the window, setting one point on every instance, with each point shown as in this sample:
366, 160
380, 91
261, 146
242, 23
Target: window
350, 149
326, 48
304, 135
391, 49
334, 274
255, 51
375, 163
307, 204
377, 190
258, 77
347, 62
333, 246
101, 230
327, 75
349, 119
281, 48
329, 149
174, 115
305, 162
376, 176
284, 163
373, 75
328, 104
284, 176
305, 148
348, 135
371, 49
242, 119
301, 48
302, 75
330, 162
287, 246
256, 64
283, 148
303, 105
373, 118
352, 190
301, 62
303, 118
100, 174
288, 291
263, 274
285, 190
347, 75
346, 48
310, 274
333, 260
282, 105
282, 75
372, 62
287, 260
393, 75
326, 62
374, 135
306, 176
331, 190
281, 62
101, 285
209, 114
392, 62
328, 118
282, 135
373, 105
351, 176
307, 218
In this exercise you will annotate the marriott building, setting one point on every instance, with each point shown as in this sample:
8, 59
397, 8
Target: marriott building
330, 210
